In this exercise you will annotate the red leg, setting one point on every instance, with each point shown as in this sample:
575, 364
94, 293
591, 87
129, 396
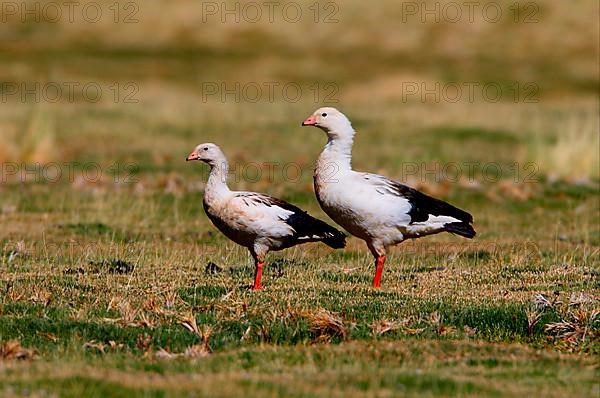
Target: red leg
378, 270
258, 275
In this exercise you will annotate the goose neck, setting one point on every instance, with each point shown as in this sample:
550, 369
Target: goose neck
339, 151
217, 181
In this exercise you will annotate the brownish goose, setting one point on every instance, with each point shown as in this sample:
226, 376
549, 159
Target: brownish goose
259, 222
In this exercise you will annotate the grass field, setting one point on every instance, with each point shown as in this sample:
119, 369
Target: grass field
114, 283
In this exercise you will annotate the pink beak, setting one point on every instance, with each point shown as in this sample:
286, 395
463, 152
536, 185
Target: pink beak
192, 156
311, 121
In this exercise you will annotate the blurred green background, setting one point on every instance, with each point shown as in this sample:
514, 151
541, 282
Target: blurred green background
436, 82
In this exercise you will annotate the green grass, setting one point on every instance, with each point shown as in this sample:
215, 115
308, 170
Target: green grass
391, 367
458, 309
492, 323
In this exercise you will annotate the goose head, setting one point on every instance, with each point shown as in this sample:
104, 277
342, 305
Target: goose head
331, 121
208, 153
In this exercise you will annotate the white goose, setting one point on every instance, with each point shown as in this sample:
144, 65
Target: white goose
371, 207
259, 222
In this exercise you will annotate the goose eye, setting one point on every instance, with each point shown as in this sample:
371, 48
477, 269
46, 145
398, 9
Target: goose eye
205, 148
324, 114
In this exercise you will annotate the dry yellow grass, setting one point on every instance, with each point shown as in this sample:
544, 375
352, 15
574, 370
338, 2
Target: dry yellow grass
570, 148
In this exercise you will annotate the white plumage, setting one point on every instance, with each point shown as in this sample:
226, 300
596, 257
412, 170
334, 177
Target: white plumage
375, 208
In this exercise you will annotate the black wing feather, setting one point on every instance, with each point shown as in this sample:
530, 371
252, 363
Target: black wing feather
305, 226
423, 205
